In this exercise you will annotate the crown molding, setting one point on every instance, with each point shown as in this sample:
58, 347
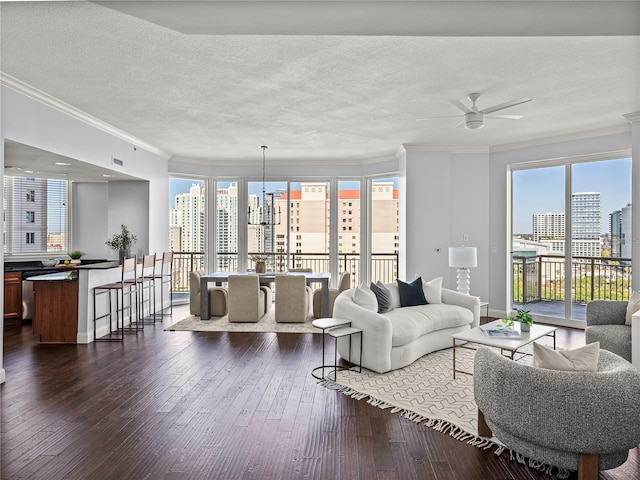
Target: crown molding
632, 117
445, 148
562, 138
77, 114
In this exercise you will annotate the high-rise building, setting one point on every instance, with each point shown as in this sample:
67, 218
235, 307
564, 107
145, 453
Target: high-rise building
586, 217
25, 209
615, 232
308, 223
548, 226
188, 215
586, 213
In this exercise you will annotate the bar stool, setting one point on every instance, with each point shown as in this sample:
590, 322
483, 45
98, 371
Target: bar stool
166, 270
147, 284
126, 286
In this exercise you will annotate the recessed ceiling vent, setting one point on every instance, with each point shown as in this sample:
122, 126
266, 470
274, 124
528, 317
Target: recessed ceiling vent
117, 161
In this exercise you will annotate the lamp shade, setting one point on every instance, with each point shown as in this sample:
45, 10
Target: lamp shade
463, 257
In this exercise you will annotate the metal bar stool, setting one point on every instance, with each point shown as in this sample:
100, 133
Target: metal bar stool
147, 285
126, 286
164, 276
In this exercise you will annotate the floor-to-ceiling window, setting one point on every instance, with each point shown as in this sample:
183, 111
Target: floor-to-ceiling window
384, 229
290, 224
348, 224
571, 225
226, 226
187, 206
266, 224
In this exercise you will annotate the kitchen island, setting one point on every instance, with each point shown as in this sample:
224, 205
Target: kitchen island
63, 302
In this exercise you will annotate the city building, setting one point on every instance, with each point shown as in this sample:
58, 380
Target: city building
548, 226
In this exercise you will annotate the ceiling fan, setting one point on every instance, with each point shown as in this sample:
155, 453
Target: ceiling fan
474, 118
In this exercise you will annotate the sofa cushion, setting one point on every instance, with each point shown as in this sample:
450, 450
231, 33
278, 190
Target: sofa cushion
410, 323
411, 294
395, 294
364, 297
382, 293
433, 290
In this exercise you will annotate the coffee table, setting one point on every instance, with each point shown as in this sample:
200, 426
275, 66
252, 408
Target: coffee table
510, 345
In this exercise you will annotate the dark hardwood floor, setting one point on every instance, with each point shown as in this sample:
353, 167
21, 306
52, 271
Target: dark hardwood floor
183, 405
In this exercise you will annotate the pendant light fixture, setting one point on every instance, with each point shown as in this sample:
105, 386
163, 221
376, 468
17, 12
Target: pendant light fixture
267, 216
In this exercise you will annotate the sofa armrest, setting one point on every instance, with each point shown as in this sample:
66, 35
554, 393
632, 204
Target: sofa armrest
606, 312
451, 297
635, 340
376, 331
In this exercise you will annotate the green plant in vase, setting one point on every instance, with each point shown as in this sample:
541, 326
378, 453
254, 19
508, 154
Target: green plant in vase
122, 242
75, 256
522, 316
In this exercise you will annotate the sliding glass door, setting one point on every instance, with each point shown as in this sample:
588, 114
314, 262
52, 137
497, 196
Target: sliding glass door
571, 231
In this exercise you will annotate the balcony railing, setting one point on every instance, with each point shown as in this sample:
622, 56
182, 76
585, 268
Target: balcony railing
542, 277
384, 266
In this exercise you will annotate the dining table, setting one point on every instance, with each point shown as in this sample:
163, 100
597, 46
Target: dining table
219, 278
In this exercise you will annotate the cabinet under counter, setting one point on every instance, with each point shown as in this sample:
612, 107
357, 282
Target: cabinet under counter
55, 307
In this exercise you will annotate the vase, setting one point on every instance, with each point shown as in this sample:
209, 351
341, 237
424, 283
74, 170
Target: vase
524, 327
260, 267
122, 254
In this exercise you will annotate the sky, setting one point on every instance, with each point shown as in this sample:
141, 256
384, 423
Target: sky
541, 190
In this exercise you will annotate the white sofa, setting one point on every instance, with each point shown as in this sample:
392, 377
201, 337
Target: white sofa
397, 338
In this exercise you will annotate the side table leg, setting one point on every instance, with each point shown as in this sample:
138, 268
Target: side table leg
454, 358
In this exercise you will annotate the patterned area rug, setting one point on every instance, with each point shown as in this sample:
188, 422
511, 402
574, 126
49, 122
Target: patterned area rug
221, 324
426, 392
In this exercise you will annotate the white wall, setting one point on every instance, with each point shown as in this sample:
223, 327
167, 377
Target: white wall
89, 207
445, 196
129, 205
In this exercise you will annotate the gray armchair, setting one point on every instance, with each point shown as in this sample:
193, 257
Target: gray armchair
585, 421
606, 324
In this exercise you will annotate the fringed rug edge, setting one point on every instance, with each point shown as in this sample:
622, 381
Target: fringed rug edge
446, 426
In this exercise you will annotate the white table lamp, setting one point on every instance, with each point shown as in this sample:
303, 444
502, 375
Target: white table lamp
463, 258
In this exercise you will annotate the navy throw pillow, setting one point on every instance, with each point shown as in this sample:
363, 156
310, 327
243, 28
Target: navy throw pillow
411, 294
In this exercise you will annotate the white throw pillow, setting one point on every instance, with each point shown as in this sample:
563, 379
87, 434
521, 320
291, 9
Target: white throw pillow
583, 359
433, 290
364, 297
632, 307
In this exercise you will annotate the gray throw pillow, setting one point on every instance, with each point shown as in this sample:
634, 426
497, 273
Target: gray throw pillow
383, 295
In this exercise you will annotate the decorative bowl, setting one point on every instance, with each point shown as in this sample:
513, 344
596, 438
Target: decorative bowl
50, 262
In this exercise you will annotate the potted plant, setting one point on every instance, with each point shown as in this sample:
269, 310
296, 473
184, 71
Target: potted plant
122, 242
260, 261
520, 315
75, 256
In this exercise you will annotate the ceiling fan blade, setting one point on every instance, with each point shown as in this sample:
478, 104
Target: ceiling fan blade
509, 104
461, 106
507, 117
460, 124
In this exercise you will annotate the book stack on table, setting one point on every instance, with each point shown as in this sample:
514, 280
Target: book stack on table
500, 332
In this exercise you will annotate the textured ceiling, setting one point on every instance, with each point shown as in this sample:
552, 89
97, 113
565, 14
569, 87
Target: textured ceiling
219, 97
